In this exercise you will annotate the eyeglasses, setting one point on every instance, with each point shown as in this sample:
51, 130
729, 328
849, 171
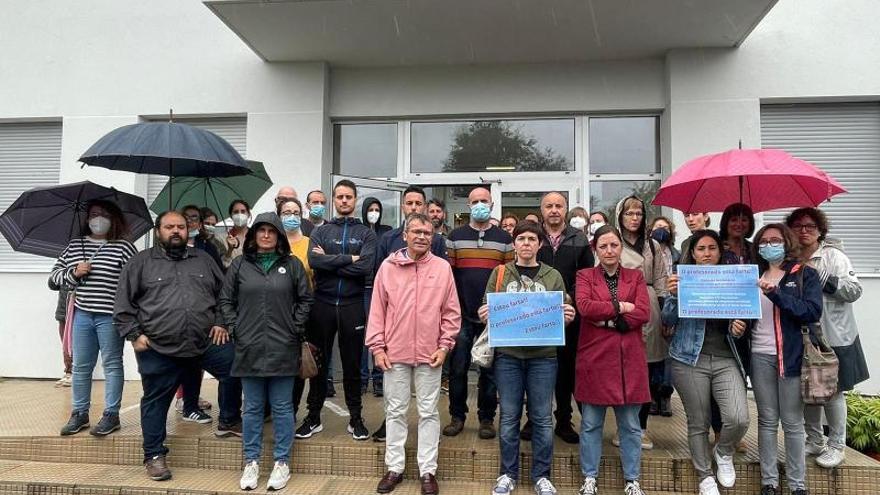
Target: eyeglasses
771, 243
421, 233
804, 227
480, 238
634, 214
192, 218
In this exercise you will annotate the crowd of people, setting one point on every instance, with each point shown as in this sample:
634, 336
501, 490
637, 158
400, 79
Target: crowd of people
409, 301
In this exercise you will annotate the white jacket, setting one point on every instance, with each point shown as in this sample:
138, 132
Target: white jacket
838, 320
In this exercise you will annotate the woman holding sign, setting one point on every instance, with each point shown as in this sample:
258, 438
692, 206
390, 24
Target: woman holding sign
611, 370
792, 297
526, 369
707, 364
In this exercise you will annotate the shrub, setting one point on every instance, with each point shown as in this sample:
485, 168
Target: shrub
863, 422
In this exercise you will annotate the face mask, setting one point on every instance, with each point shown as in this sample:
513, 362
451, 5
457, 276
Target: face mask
290, 222
595, 226
316, 211
578, 222
772, 254
193, 233
240, 219
373, 217
480, 212
661, 235
99, 225
209, 230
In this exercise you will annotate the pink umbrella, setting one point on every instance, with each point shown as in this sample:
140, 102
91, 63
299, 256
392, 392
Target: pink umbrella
764, 179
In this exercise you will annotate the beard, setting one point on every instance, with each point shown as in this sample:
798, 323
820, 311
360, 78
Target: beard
174, 246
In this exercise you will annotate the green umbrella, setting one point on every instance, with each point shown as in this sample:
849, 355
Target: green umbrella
214, 192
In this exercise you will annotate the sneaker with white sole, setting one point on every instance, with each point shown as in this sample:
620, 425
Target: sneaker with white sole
65, 381
709, 487
633, 488
589, 487
813, 448
197, 416
504, 485
309, 427
357, 429
831, 458
250, 478
279, 477
544, 487
726, 473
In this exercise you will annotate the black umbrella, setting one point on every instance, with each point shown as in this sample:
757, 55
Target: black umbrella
166, 148
43, 220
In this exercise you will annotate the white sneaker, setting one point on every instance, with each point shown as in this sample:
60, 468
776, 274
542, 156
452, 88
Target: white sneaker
726, 473
65, 381
504, 485
708, 487
544, 487
279, 477
831, 458
814, 448
589, 487
647, 443
178, 405
633, 488
250, 477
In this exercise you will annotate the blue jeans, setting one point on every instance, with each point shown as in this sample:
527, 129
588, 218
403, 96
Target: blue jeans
592, 423
278, 390
460, 363
533, 377
93, 332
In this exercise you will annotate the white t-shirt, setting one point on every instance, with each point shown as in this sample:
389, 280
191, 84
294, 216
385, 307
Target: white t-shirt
764, 335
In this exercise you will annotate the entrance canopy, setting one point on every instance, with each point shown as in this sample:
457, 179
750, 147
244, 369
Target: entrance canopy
383, 33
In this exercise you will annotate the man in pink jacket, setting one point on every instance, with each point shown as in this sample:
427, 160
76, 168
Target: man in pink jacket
414, 319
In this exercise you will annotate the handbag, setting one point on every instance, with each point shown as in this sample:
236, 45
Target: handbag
481, 354
308, 365
820, 366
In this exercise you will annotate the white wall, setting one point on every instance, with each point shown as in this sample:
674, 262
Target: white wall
804, 50
101, 64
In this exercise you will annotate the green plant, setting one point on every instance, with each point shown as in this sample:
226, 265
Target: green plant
863, 422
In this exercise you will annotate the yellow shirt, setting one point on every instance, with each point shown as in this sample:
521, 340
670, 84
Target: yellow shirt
300, 249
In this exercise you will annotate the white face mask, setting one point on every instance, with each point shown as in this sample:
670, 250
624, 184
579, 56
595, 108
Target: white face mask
373, 217
99, 225
210, 229
240, 219
595, 226
578, 222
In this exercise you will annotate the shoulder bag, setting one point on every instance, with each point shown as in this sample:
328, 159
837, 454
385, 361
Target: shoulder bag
481, 354
820, 366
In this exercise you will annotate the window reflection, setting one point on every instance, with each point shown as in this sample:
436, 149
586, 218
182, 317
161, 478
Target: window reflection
365, 150
624, 145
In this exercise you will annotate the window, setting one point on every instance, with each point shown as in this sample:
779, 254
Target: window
365, 150
30, 156
624, 157
843, 139
540, 145
232, 129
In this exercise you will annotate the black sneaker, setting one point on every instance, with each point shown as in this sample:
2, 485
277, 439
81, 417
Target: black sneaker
108, 424
228, 430
769, 490
379, 435
566, 432
357, 429
77, 421
197, 416
309, 427
331, 390
378, 391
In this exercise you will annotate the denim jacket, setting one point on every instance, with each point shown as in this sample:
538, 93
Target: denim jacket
687, 341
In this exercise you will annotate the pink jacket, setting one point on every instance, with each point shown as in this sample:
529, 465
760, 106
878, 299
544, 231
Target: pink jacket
414, 310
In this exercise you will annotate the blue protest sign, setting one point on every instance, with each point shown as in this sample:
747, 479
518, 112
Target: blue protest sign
526, 319
719, 291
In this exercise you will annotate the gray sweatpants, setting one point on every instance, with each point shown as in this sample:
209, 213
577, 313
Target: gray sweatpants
717, 377
779, 399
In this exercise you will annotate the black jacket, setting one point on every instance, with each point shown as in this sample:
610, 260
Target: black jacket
265, 311
378, 228
574, 254
337, 280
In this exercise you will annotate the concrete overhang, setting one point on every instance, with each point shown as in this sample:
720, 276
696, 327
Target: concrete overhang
379, 33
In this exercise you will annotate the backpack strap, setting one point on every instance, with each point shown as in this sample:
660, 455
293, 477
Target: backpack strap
500, 278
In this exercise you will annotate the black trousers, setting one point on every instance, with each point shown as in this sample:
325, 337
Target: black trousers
326, 321
566, 357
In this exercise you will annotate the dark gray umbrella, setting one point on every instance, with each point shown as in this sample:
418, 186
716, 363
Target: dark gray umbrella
43, 220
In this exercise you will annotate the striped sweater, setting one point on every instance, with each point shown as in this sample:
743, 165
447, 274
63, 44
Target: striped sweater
473, 255
96, 291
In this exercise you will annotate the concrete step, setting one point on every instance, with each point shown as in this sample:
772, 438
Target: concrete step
27, 478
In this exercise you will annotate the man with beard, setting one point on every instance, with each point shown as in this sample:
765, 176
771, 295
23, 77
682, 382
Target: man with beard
437, 214
166, 306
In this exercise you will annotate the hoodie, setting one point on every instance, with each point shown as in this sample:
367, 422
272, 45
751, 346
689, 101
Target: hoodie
415, 309
338, 280
266, 307
378, 228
